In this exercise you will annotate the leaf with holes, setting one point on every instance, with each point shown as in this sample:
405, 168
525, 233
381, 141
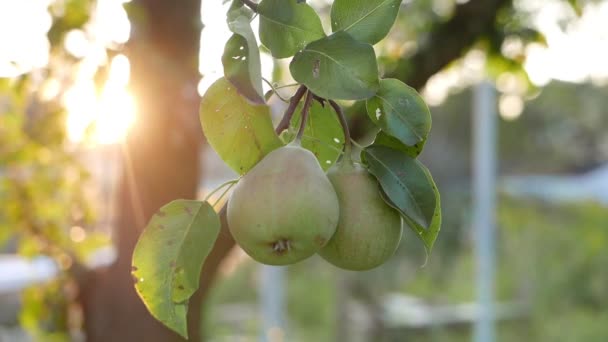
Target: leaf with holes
400, 112
405, 181
240, 132
366, 20
168, 258
241, 60
383, 139
323, 135
286, 26
337, 67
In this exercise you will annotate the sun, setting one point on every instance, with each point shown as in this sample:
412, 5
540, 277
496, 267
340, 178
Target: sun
105, 118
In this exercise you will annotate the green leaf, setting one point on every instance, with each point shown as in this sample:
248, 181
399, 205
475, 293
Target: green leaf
400, 112
366, 20
241, 60
240, 132
383, 139
337, 67
286, 26
405, 181
168, 258
323, 135
428, 236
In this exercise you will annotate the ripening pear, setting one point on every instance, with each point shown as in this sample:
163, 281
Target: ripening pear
369, 230
285, 209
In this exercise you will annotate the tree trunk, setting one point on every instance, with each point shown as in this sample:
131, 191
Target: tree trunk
160, 164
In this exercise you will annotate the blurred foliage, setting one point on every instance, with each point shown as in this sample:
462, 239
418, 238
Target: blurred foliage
311, 303
42, 180
45, 312
561, 130
564, 125
551, 259
41, 188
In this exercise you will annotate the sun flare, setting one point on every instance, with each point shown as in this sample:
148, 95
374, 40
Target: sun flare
102, 119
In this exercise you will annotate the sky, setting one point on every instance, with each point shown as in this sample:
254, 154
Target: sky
576, 52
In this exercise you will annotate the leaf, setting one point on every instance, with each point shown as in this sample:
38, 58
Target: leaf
428, 236
240, 132
366, 20
337, 67
323, 135
286, 26
241, 60
405, 181
168, 258
576, 6
383, 139
400, 112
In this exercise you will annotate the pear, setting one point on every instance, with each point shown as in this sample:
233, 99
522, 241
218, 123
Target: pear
283, 210
369, 230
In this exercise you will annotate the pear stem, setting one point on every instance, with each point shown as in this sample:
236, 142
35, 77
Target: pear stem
304, 116
293, 104
274, 90
230, 182
250, 4
347, 140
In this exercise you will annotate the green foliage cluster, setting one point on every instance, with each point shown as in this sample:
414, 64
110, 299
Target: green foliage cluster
42, 180
41, 184
237, 124
561, 285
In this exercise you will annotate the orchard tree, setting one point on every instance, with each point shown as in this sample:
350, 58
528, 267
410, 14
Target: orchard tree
113, 310
284, 208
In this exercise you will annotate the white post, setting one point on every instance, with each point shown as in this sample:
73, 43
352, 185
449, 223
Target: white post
484, 202
272, 302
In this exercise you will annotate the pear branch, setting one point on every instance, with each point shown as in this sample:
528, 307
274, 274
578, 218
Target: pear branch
304, 115
342, 118
293, 104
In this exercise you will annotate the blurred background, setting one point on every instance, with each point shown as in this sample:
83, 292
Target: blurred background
99, 128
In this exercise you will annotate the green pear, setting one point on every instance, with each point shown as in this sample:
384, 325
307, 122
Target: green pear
283, 210
369, 230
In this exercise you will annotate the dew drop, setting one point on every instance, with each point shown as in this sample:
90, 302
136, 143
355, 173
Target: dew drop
242, 48
378, 113
141, 280
337, 140
328, 162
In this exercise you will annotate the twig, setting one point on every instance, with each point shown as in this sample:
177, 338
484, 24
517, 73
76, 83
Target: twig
230, 182
250, 4
293, 104
274, 90
347, 140
223, 194
287, 85
304, 116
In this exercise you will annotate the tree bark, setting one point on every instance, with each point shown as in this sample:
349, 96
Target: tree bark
160, 164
